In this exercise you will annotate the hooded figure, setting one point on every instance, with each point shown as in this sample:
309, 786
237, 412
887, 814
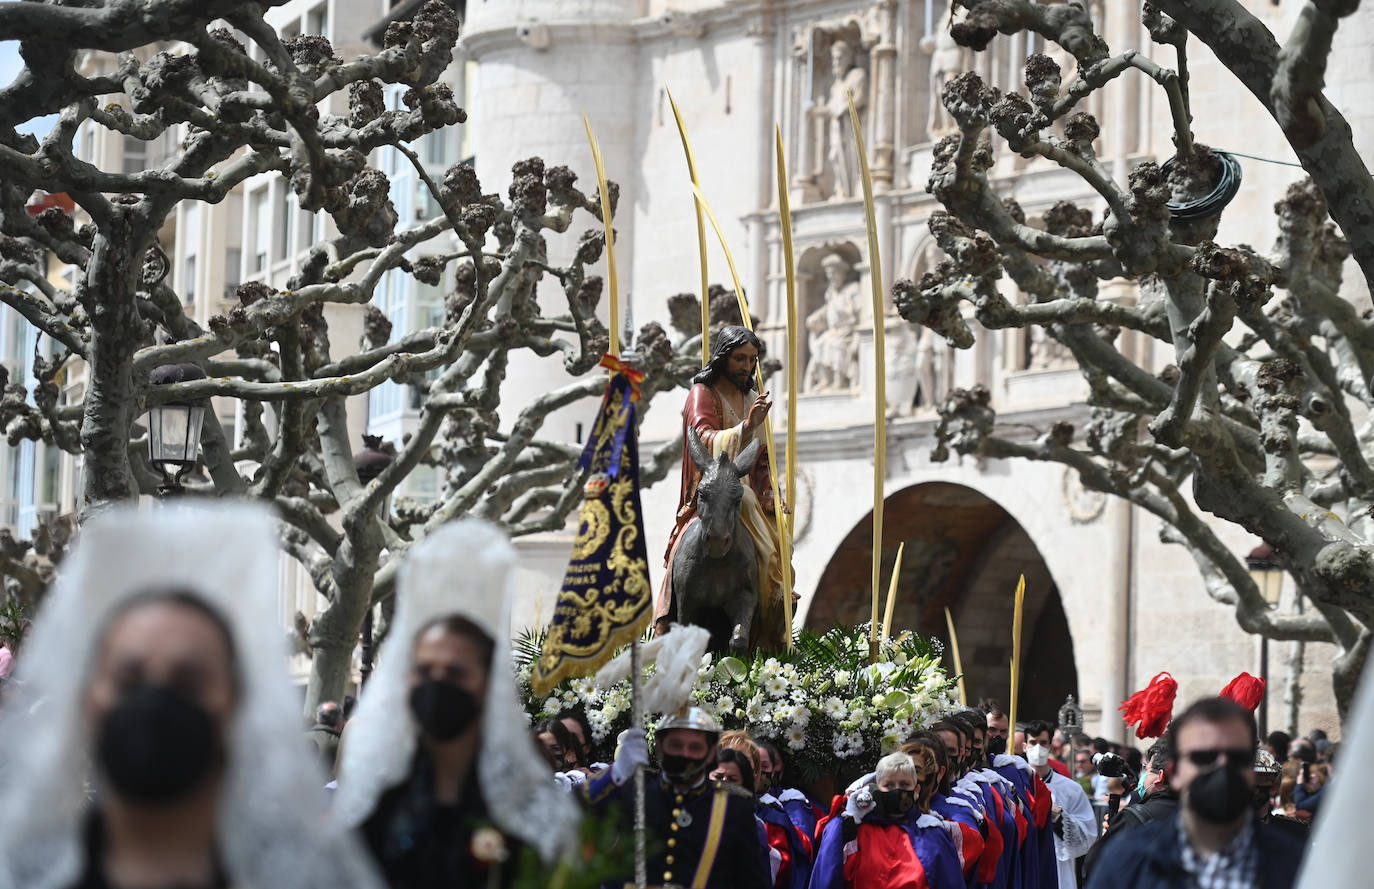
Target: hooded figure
438, 767
162, 744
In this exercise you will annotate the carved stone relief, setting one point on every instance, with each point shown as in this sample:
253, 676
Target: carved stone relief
1085, 505
832, 330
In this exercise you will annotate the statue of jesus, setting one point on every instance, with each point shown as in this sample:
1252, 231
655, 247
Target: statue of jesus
728, 414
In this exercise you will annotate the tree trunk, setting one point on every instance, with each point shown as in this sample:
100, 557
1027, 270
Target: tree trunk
335, 631
107, 292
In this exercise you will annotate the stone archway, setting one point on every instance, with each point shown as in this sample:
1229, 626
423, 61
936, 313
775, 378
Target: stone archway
966, 552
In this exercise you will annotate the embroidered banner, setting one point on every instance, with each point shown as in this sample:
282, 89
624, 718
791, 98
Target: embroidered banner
606, 600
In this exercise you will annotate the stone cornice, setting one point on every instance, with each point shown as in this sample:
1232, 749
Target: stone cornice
538, 36
855, 442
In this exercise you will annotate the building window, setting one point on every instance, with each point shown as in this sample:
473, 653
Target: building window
286, 224
435, 143
233, 271
188, 281
135, 155
262, 227
317, 21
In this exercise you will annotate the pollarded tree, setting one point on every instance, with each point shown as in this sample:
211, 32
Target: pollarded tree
184, 65
1260, 341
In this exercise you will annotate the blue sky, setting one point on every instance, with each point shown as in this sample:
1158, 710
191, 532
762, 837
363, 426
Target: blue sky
10, 66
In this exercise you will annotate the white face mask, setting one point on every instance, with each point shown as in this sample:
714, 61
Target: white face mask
1037, 755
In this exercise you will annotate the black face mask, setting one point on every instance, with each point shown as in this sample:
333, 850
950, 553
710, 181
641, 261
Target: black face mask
156, 745
996, 746
1260, 801
894, 802
443, 710
1219, 796
676, 767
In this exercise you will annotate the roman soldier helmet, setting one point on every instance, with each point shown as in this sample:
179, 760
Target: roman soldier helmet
1265, 763
694, 718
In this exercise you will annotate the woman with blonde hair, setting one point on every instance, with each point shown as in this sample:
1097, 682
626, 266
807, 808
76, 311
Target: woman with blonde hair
884, 839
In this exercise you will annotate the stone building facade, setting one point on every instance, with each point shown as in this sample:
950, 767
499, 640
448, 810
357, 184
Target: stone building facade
1108, 604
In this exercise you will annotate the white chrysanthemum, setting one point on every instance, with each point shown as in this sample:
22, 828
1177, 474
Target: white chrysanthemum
842, 678
799, 714
796, 738
782, 712
725, 704
552, 706
858, 716
798, 695
834, 708
777, 687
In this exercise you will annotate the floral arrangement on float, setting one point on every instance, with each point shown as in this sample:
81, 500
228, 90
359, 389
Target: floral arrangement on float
825, 704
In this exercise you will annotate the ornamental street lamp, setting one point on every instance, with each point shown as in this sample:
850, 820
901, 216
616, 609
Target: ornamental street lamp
1267, 573
174, 429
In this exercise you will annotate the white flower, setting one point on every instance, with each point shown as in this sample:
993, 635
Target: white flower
878, 699
777, 687
798, 695
799, 714
834, 708
725, 704
552, 705
789, 671
796, 738
847, 745
782, 712
753, 710
842, 678
858, 716
770, 669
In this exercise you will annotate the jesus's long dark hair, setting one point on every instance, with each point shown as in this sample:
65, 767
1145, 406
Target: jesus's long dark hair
730, 338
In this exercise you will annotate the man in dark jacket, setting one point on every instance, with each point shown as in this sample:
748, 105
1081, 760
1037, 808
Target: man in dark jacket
1156, 801
1214, 840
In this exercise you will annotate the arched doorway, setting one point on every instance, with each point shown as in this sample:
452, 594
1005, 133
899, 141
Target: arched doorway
966, 552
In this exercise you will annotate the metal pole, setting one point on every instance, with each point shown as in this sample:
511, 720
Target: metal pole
633, 359
1264, 698
637, 721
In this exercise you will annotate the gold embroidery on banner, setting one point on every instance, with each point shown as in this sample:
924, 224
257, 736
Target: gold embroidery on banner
594, 615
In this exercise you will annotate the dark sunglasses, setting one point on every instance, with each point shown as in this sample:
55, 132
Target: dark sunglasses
1237, 756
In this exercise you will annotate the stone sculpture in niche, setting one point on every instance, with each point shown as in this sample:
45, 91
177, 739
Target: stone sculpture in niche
847, 78
833, 340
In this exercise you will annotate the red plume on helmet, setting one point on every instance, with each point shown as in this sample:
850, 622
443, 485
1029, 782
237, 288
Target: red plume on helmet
1151, 707
1245, 690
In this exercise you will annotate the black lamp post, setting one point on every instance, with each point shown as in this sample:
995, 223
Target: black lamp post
369, 463
1267, 573
174, 429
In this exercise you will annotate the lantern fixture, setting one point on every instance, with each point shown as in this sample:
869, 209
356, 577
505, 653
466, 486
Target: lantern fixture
174, 428
1266, 572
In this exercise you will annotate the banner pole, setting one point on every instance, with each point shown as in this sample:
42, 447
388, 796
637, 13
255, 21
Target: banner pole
637, 721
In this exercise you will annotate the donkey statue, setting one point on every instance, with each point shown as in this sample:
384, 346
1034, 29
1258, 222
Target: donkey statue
715, 577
